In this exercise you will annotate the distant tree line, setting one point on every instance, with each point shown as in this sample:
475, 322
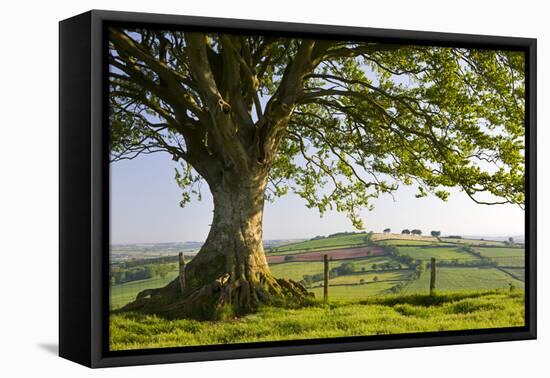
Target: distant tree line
146, 261
318, 237
417, 231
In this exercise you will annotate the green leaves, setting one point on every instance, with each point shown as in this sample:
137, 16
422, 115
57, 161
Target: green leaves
438, 117
367, 117
189, 182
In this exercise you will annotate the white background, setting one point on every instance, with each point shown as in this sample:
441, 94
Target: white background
29, 187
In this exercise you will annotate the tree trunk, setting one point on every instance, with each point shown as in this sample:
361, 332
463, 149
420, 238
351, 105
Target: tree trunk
230, 275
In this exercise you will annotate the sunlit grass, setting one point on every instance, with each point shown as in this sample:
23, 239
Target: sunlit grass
390, 314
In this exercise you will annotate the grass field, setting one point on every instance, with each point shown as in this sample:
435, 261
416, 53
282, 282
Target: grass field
375, 316
474, 241
353, 292
349, 287
500, 252
506, 257
353, 279
399, 242
380, 237
125, 293
442, 253
296, 270
518, 273
459, 279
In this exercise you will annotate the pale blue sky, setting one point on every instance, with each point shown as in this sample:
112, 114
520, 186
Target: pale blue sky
145, 197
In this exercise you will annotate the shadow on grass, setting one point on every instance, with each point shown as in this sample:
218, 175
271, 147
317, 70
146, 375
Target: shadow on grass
427, 300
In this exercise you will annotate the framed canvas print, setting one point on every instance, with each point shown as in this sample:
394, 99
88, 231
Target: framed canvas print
234, 188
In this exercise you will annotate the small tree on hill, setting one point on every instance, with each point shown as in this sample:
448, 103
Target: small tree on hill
387, 230
416, 232
436, 234
406, 232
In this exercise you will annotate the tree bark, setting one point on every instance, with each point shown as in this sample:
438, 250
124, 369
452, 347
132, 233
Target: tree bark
230, 275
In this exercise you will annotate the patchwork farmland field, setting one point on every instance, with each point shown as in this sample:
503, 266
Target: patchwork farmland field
376, 269
333, 254
296, 270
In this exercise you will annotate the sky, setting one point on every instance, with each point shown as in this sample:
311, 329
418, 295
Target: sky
145, 209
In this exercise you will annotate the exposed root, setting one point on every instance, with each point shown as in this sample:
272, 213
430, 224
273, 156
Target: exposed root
222, 298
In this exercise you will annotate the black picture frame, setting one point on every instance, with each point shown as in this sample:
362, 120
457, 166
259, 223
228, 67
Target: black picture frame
84, 193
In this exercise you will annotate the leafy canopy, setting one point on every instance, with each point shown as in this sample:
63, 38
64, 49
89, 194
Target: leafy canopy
336, 122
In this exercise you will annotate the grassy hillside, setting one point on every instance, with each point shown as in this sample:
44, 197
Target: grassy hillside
325, 243
375, 316
355, 240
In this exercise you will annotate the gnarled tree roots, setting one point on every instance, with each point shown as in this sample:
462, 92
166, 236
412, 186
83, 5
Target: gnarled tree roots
223, 298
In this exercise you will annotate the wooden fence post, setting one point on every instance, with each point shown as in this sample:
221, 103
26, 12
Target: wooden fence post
432, 276
182, 272
325, 288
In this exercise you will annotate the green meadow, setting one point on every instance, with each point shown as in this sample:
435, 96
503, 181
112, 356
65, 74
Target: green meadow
442, 253
380, 315
125, 293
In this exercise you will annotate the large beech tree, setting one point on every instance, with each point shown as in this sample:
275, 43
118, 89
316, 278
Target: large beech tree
336, 122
